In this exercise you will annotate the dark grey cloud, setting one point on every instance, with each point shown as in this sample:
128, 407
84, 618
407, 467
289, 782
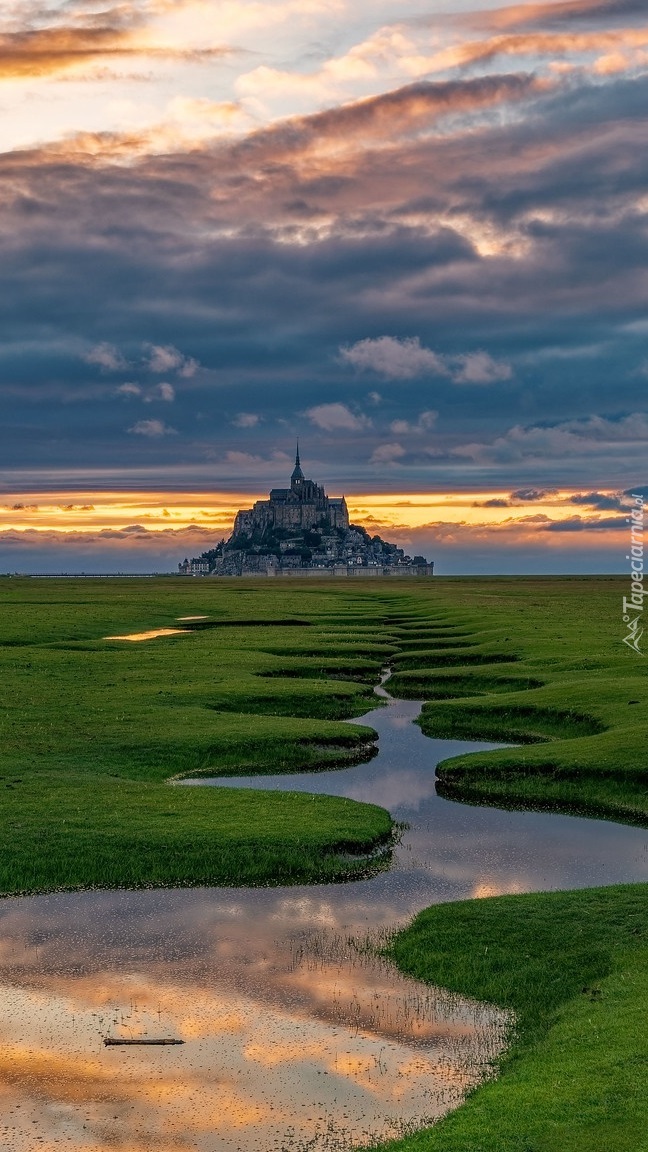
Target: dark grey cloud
495, 502
586, 524
604, 501
260, 259
529, 495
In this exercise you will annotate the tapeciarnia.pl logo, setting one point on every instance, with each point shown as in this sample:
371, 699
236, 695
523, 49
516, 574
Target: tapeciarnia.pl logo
633, 606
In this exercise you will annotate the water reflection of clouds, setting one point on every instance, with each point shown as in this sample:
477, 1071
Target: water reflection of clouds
404, 790
286, 1020
244, 1076
305, 910
399, 722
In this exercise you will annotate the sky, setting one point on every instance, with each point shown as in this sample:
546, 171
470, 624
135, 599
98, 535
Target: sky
413, 234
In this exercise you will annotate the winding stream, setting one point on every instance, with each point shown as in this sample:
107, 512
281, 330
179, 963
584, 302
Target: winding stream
295, 1036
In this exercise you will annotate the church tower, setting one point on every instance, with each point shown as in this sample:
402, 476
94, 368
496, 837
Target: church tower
297, 478
303, 506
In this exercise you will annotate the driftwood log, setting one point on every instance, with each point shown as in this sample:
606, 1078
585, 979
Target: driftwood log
112, 1040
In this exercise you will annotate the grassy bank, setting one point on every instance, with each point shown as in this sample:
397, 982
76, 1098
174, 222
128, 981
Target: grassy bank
574, 967
91, 729
537, 662
120, 833
262, 678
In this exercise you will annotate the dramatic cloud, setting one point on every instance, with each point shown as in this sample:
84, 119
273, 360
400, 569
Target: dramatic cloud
152, 429
163, 391
406, 359
582, 524
425, 423
246, 420
604, 501
46, 51
169, 359
454, 204
107, 357
394, 359
618, 48
387, 453
337, 418
529, 495
560, 12
574, 437
480, 368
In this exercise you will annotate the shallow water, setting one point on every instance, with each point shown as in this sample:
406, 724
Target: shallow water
295, 1036
151, 635
454, 851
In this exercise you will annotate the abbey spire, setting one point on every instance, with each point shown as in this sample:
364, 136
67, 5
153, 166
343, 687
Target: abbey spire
297, 472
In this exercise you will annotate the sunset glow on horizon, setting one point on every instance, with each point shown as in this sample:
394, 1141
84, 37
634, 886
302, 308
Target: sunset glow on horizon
101, 511
171, 524
411, 233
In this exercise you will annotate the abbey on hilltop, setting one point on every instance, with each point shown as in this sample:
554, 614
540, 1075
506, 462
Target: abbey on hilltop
300, 531
302, 506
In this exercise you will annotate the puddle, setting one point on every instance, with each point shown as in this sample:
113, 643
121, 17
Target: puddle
275, 1072
152, 635
296, 1035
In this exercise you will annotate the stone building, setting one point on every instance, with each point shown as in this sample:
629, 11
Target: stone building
300, 531
304, 505
196, 567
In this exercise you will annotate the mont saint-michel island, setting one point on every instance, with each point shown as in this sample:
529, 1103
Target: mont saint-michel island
300, 531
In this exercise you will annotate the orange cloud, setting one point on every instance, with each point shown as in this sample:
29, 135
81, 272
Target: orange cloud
45, 51
384, 117
523, 15
192, 522
546, 44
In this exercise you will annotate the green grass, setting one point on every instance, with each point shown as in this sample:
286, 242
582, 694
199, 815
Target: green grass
62, 834
574, 968
421, 684
91, 730
262, 684
214, 700
537, 662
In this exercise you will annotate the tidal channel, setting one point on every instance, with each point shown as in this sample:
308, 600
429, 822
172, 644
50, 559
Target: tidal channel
297, 1036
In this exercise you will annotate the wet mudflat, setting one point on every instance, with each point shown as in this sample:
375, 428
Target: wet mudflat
295, 1035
